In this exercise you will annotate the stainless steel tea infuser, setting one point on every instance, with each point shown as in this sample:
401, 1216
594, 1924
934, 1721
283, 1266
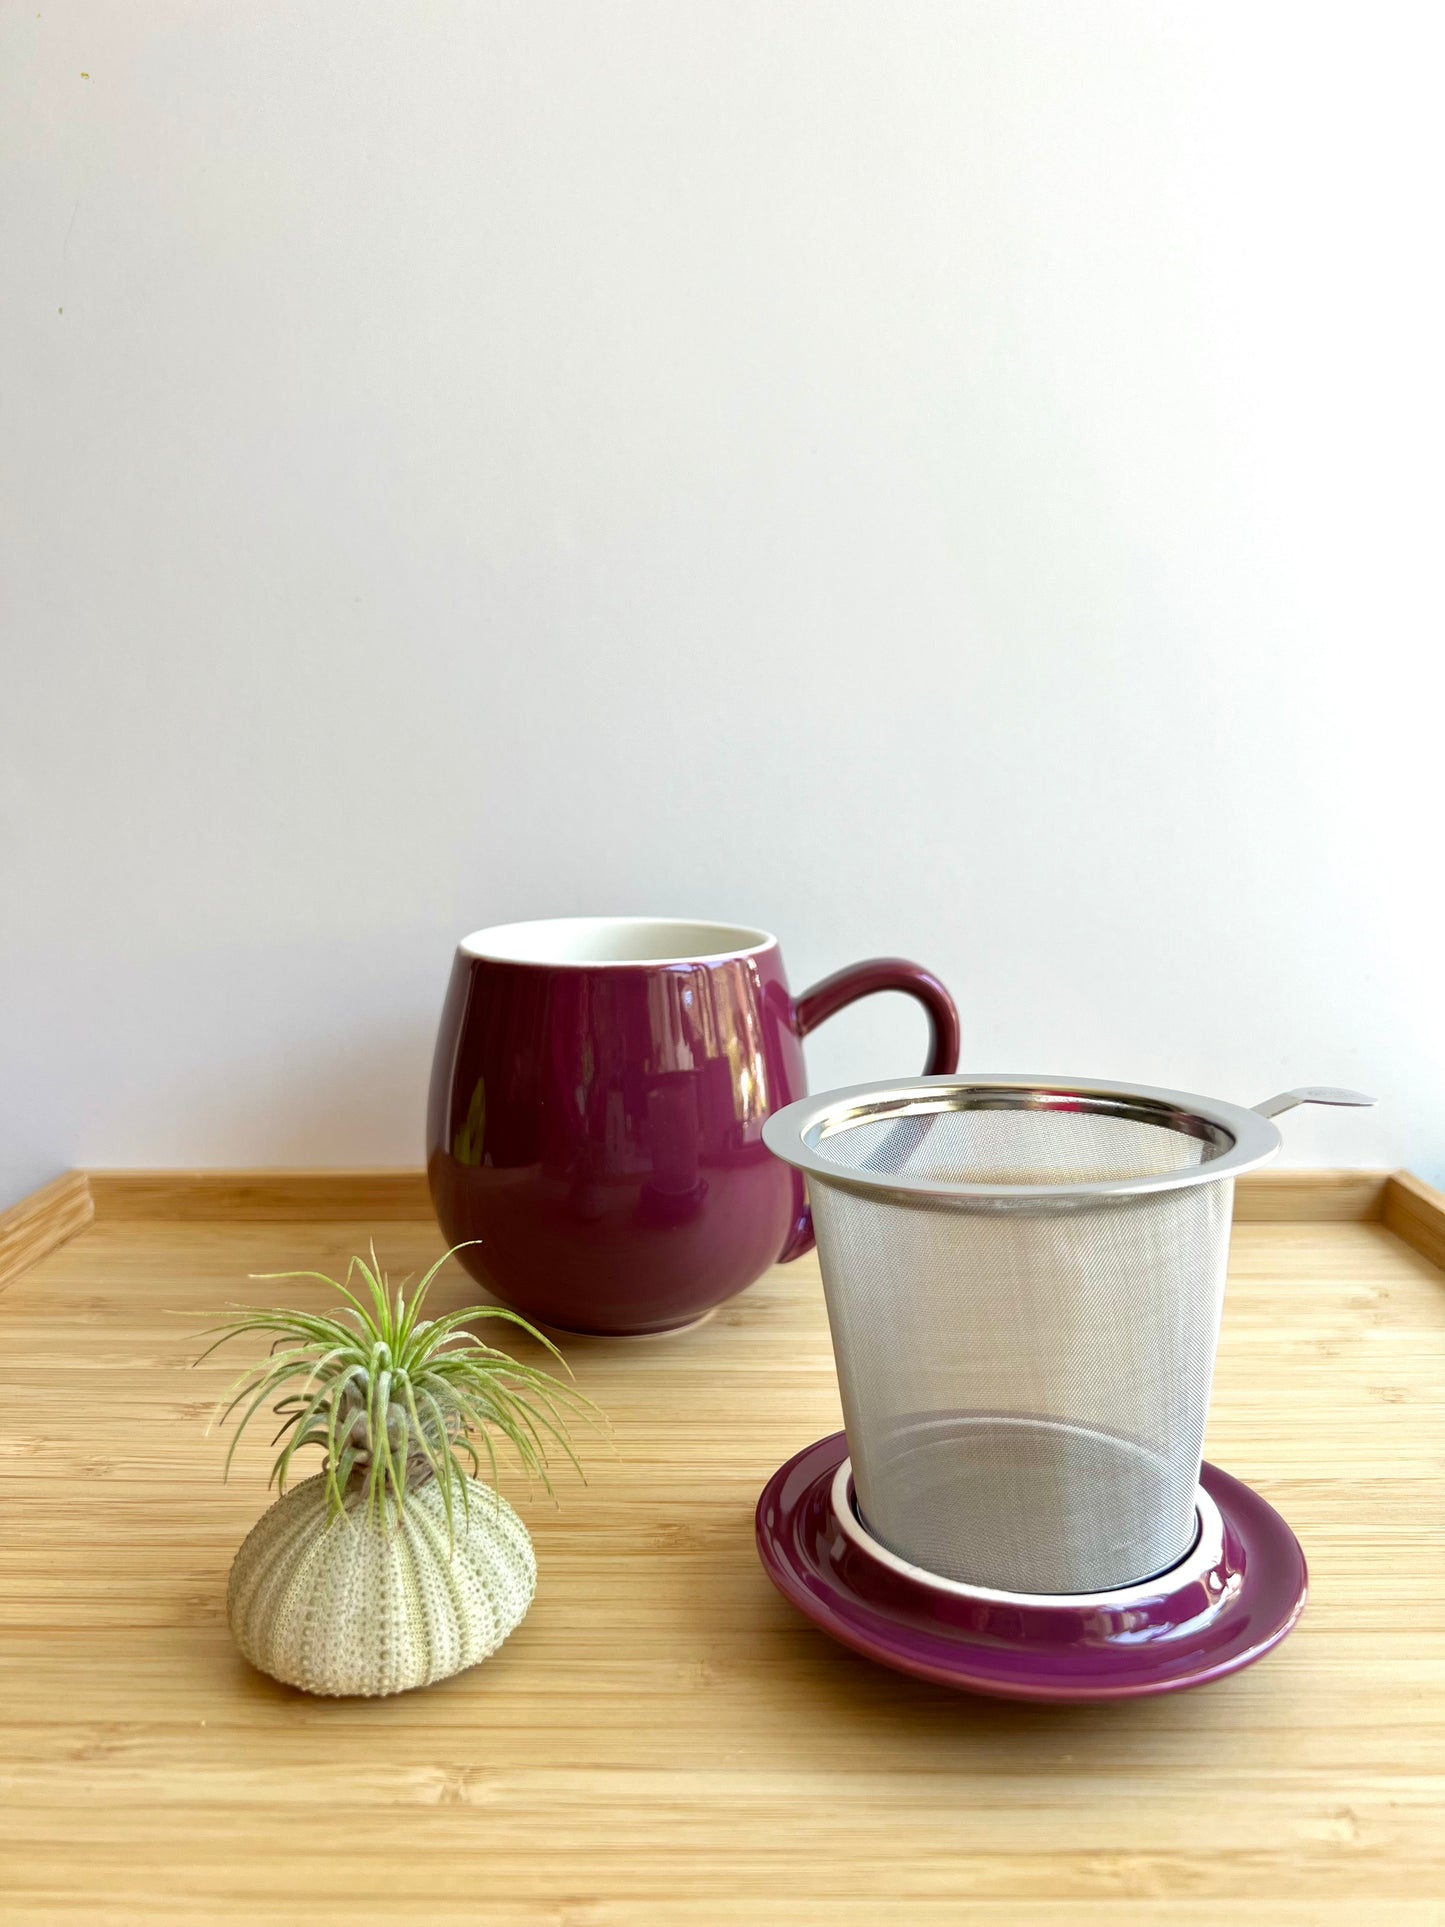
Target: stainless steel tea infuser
1024, 1278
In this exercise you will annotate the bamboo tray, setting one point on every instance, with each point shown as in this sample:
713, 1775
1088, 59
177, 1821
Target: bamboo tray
664, 1743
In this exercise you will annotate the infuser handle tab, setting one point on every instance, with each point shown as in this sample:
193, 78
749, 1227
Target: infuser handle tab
1311, 1094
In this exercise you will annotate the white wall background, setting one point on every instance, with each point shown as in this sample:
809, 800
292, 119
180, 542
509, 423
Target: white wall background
961, 479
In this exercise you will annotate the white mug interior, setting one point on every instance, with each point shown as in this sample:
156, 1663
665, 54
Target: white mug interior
594, 941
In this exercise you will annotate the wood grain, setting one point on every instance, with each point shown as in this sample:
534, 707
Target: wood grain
1310, 1197
664, 1743
1414, 1211
264, 1196
41, 1222
392, 1196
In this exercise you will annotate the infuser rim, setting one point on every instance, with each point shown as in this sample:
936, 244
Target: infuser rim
795, 1132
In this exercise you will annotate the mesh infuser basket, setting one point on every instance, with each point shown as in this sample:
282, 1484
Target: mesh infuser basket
1024, 1281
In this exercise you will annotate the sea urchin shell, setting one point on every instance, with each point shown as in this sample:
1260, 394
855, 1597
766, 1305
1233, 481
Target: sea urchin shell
346, 1604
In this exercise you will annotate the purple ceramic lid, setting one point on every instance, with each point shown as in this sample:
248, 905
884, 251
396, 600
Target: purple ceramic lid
1210, 1617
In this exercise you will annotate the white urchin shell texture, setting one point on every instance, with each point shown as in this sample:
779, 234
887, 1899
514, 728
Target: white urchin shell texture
339, 1605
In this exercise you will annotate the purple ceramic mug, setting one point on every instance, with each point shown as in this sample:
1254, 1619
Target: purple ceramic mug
597, 1104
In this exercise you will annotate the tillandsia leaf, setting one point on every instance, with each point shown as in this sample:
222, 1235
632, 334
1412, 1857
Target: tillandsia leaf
372, 1274
299, 1437
419, 1296
335, 1484
517, 1414
449, 1324
391, 1397
273, 1277
306, 1326
424, 1445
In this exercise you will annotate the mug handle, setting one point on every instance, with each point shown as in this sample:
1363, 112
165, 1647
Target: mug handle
845, 987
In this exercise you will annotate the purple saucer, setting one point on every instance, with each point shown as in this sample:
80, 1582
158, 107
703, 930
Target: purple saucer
1213, 1614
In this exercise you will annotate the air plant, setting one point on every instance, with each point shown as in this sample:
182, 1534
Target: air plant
369, 1577
396, 1399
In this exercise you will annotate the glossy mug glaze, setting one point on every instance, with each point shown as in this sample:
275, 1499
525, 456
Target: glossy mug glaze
596, 1112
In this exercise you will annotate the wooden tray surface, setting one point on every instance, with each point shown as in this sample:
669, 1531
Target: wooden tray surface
664, 1741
